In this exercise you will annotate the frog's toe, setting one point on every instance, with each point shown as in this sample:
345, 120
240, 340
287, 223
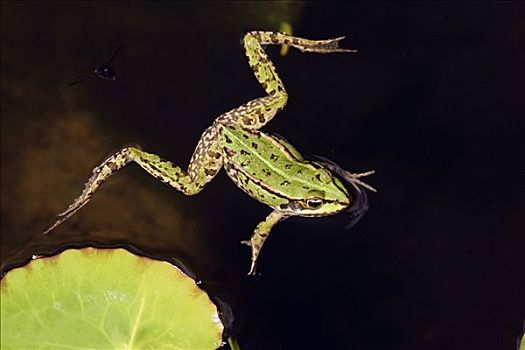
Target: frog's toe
327, 46
247, 242
252, 269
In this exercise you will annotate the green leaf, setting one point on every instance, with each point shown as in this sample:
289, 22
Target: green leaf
105, 299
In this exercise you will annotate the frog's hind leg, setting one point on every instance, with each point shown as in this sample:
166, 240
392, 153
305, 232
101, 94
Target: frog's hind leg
205, 164
264, 69
256, 113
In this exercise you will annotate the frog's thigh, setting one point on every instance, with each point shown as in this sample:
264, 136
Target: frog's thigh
206, 160
254, 114
261, 233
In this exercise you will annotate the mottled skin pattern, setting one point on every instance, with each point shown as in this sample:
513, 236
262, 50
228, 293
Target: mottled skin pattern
266, 167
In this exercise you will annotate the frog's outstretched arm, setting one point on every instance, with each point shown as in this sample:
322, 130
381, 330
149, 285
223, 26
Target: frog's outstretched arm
256, 113
261, 232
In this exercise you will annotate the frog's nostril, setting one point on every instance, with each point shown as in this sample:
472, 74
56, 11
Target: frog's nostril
323, 176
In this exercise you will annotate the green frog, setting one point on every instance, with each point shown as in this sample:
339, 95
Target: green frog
266, 167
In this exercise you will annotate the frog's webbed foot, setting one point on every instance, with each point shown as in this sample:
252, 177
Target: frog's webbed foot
302, 44
325, 46
261, 233
100, 174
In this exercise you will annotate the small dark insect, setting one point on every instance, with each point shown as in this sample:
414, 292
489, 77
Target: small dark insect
102, 70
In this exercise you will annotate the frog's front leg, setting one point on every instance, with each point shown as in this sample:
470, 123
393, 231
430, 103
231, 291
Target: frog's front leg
261, 233
204, 165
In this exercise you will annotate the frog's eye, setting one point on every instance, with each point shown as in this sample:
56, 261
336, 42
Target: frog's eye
314, 203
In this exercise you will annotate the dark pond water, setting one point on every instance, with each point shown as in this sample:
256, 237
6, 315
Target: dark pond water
432, 102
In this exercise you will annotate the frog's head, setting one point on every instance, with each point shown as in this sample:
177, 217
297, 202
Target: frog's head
359, 199
329, 195
324, 195
322, 199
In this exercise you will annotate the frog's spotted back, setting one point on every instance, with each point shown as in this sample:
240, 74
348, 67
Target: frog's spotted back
266, 167
263, 159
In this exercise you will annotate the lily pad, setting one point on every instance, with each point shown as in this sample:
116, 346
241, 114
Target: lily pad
105, 299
